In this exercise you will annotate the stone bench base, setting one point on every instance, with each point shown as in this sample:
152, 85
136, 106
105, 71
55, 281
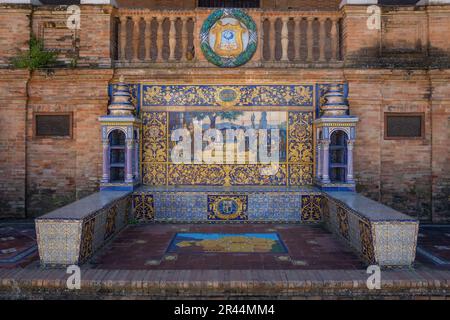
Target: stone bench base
378, 233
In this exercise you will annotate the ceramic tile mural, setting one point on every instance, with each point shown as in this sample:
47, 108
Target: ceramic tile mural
296, 160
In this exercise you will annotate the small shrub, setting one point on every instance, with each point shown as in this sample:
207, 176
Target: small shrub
34, 58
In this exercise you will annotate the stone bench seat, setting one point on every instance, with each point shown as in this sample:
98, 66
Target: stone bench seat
379, 233
71, 234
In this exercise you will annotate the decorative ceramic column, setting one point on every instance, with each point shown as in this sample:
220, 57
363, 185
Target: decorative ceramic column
129, 161
350, 161
122, 117
319, 162
105, 175
334, 118
284, 39
136, 158
309, 41
325, 161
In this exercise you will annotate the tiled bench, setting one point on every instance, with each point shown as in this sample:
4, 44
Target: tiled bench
71, 234
382, 235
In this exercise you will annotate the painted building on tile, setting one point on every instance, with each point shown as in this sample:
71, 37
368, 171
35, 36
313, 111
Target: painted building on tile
359, 92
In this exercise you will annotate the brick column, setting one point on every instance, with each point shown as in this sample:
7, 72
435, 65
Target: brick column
122, 38
334, 39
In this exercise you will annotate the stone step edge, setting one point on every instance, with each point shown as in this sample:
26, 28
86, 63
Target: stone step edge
270, 283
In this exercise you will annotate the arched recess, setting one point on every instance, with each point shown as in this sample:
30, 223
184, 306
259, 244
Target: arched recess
338, 156
117, 140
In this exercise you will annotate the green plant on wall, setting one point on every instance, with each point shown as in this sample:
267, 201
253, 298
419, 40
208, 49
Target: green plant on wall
34, 58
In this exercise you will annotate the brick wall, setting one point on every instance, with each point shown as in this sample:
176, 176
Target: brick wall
61, 170
14, 30
13, 101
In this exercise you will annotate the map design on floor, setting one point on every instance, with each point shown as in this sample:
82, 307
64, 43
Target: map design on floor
227, 243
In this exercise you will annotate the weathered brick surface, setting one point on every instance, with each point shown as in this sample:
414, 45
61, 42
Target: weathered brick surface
61, 170
440, 137
13, 101
14, 30
95, 35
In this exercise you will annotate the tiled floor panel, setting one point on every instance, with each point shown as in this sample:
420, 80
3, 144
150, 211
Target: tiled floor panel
145, 247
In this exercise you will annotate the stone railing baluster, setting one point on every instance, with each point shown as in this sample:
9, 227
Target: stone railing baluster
284, 39
148, 37
322, 38
273, 38
310, 42
136, 20
297, 37
172, 38
184, 37
159, 38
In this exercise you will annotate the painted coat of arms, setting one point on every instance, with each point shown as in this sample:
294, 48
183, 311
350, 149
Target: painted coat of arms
228, 38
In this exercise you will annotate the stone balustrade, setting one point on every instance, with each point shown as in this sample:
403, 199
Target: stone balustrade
289, 37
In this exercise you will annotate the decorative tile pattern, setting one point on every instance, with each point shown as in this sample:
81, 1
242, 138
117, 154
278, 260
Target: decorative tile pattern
143, 206
209, 95
59, 241
325, 209
110, 226
227, 207
300, 148
366, 241
227, 175
87, 239
311, 208
154, 174
154, 136
343, 222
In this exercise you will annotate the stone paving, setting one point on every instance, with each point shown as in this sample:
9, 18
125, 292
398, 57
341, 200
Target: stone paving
308, 247
136, 265
18, 246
